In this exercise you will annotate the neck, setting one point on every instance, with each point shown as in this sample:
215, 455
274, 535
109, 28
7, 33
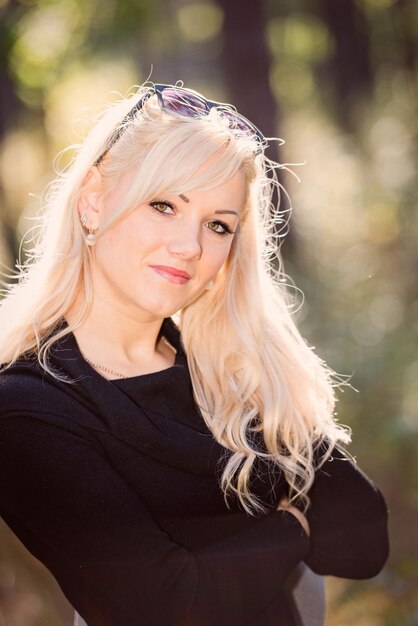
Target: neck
120, 342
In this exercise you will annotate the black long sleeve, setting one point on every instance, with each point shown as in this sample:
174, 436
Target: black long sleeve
114, 486
348, 519
115, 563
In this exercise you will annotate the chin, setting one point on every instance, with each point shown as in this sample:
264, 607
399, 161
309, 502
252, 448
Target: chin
158, 311
164, 306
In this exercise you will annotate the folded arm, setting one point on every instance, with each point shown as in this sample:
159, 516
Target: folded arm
348, 520
115, 563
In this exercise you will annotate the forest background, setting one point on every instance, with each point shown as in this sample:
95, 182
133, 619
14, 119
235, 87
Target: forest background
337, 79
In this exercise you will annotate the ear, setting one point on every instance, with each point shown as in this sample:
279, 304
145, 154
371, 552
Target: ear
90, 198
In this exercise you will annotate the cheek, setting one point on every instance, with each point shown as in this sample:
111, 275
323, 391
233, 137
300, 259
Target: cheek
218, 255
126, 243
113, 251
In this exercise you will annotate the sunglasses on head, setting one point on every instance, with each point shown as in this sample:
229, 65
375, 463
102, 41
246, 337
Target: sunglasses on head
188, 103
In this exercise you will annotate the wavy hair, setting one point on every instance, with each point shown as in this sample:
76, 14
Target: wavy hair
252, 372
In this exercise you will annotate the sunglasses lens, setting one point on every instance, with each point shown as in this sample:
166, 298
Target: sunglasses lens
236, 122
182, 103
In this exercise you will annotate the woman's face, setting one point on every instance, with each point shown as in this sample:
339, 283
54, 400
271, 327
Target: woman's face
162, 255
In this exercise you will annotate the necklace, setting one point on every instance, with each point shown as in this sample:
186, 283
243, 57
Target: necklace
118, 374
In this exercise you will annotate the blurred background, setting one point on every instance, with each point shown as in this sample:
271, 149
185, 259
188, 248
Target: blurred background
337, 79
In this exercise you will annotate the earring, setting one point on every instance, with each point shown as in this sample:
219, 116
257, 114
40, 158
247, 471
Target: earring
91, 238
210, 285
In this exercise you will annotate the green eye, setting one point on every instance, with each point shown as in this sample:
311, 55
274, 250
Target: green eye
161, 206
220, 228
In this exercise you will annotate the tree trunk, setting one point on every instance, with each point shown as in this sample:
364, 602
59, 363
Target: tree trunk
10, 106
350, 64
246, 63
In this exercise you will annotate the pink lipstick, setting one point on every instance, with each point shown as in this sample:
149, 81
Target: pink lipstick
174, 275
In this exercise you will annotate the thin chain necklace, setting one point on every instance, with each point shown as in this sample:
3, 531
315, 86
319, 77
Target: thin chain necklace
118, 374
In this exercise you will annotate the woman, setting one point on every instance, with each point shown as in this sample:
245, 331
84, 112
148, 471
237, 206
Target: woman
167, 441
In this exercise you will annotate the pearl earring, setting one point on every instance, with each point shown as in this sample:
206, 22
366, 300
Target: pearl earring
210, 285
91, 238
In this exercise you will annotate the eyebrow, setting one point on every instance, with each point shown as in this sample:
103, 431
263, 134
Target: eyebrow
186, 199
222, 212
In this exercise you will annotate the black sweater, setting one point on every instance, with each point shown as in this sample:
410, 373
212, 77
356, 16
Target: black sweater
114, 486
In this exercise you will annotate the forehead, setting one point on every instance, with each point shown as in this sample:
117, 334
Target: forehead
229, 196
212, 193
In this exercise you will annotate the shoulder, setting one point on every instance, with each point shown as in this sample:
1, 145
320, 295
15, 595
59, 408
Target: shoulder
28, 392
20, 385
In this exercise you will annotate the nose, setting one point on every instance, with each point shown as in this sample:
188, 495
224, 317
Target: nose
185, 243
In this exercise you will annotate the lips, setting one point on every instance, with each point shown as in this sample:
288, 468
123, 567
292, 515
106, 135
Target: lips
172, 274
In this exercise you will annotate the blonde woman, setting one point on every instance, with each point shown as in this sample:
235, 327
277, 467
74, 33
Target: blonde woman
167, 441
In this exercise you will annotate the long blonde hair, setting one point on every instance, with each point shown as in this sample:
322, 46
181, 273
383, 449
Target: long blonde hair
251, 370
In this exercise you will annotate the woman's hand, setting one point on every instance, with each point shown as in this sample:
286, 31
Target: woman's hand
284, 505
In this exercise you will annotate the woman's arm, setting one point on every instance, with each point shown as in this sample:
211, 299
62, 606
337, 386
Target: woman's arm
348, 520
115, 563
